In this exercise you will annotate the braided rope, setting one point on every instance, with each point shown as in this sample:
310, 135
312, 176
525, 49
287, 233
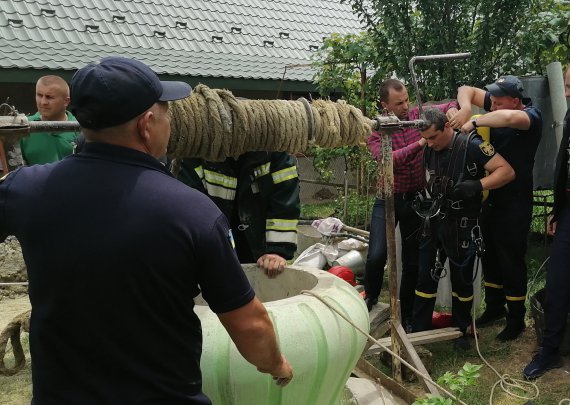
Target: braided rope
213, 124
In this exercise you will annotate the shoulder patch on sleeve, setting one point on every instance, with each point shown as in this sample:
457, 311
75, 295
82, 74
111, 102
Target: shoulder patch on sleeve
231, 239
487, 148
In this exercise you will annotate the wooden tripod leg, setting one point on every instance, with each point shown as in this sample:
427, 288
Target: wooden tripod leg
415, 360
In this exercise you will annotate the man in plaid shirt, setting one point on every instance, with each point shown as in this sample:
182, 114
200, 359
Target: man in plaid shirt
409, 177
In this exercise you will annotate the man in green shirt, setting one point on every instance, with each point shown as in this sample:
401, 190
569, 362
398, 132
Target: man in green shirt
52, 99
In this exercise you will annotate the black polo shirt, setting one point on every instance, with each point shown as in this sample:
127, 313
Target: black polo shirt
116, 249
518, 147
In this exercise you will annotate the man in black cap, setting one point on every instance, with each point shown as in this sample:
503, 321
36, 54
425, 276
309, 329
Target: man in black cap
112, 281
516, 129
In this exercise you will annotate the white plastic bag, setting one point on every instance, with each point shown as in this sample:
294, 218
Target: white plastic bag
312, 257
331, 253
328, 225
352, 244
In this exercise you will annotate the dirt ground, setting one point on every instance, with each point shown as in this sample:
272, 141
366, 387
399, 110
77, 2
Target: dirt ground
17, 389
13, 298
12, 269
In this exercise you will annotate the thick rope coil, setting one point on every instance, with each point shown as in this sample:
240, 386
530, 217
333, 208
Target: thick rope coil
251, 128
213, 124
12, 332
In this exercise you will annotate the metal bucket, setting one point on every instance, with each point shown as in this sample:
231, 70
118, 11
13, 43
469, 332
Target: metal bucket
537, 311
354, 259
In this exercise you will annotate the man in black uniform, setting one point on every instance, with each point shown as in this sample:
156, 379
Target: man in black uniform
516, 129
455, 168
113, 277
557, 297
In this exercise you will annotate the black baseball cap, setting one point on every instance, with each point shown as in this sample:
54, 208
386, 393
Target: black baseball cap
506, 86
116, 90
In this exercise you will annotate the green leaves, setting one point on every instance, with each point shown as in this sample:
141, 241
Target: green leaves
351, 65
457, 383
467, 376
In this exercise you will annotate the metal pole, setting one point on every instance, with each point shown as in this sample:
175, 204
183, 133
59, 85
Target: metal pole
415, 59
18, 126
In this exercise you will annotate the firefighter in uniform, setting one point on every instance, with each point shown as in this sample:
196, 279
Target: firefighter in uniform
259, 194
516, 129
455, 166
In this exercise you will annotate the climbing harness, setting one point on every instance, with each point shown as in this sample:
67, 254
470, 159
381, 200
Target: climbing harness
435, 200
477, 238
436, 203
439, 271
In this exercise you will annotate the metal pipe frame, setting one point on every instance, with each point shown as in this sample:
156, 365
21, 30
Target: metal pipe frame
448, 56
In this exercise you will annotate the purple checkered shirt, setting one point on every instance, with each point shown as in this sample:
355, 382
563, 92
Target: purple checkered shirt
407, 153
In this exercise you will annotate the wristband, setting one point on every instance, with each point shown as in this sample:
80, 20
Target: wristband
474, 122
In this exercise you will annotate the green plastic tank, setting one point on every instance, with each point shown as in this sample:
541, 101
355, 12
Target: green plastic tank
321, 346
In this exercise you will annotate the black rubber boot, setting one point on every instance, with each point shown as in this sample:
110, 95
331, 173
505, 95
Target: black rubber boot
511, 331
462, 343
515, 321
370, 302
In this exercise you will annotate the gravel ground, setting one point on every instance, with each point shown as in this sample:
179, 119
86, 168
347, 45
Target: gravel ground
12, 269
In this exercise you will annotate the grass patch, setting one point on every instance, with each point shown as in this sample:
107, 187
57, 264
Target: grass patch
317, 211
359, 210
17, 389
542, 200
507, 358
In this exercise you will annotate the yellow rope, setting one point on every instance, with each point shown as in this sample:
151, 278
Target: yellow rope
213, 124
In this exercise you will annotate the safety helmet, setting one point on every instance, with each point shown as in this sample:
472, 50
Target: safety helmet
345, 273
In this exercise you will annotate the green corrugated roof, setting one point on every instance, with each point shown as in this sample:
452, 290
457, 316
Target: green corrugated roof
251, 39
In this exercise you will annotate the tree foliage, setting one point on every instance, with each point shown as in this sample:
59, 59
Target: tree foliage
504, 37
351, 65
547, 37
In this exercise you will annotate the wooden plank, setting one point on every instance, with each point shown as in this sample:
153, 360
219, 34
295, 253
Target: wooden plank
379, 314
366, 370
419, 338
379, 322
414, 358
